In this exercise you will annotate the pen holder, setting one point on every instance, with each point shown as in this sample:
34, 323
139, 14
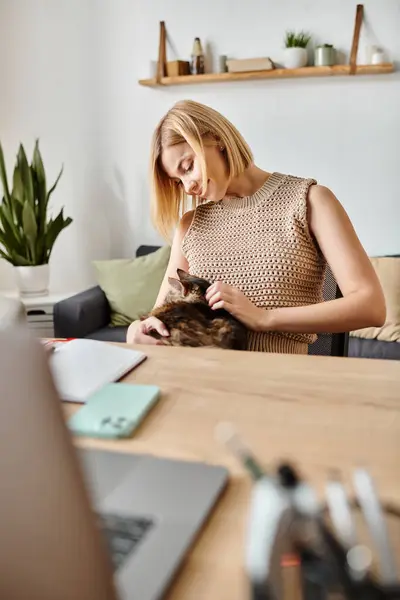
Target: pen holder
297, 547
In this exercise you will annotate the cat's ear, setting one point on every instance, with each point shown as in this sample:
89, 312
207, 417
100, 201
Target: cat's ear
177, 285
192, 281
183, 275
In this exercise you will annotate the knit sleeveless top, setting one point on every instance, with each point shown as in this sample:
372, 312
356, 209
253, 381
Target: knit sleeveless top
262, 245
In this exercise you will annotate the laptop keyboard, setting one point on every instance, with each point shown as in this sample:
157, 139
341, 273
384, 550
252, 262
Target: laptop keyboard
123, 535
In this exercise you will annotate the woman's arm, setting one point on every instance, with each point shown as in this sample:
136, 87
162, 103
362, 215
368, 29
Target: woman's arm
176, 259
363, 303
138, 331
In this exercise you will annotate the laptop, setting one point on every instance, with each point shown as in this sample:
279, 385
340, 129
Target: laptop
85, 524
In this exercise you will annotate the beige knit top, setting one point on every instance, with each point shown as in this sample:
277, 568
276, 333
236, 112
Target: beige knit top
262, 245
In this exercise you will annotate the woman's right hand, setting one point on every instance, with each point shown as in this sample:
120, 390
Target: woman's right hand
138, 331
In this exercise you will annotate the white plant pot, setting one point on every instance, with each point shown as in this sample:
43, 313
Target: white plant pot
33, 281
295, 58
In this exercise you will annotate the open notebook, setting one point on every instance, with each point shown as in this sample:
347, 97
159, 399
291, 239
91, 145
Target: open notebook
81, 367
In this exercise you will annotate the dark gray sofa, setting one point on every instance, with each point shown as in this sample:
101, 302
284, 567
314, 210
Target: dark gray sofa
374, 348
87, 315
359, 347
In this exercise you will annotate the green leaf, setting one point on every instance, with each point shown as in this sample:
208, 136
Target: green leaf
3, 176
40, 217
25, 175
3, 240
15, 257
21, 261
37, 165
5, 256
8, 239
30, 228
297, 40
29, 221
39, 178
55, 184
17, 208
18, 188
41, 250
54, 228
7, 221
6, 216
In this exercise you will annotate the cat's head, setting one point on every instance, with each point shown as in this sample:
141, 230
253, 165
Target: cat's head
187, 287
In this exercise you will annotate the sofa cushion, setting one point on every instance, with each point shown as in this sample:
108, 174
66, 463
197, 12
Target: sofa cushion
388, 271
131, 285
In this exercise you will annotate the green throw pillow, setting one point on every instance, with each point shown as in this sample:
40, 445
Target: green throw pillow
131, 285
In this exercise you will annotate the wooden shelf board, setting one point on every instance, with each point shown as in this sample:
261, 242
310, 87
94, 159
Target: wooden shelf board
336, 70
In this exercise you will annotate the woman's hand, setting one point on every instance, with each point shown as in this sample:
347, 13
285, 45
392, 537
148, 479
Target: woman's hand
222, 295
138, 332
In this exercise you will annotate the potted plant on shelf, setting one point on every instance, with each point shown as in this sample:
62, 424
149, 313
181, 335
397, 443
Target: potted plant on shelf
27, 233
295, 53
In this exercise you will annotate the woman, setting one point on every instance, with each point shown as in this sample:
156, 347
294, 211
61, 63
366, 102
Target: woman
262, 239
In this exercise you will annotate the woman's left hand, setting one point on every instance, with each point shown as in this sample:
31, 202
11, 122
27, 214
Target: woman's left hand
221, 295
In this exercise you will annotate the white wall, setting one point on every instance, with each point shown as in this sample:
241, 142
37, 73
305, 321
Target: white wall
69, 73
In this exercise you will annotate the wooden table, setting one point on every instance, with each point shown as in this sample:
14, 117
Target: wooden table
322, 412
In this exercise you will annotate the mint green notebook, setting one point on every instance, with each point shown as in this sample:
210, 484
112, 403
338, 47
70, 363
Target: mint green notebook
114, 411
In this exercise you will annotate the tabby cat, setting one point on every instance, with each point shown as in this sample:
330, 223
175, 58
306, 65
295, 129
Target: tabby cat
191, 322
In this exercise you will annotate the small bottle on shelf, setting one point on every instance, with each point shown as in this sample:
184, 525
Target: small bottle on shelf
223, 67
197, 62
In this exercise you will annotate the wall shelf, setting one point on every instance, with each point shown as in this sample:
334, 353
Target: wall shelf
336, 70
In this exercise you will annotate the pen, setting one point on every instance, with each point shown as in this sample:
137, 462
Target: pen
226, 434
50, 347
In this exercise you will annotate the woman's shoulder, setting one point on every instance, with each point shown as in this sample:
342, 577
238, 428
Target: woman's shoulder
292, 190
188, 217
290, 180
186, 220
308, 189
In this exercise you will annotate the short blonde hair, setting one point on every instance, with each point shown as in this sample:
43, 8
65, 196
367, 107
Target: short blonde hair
190, 122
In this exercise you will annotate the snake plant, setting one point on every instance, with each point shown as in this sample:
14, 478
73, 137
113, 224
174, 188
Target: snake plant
27, 232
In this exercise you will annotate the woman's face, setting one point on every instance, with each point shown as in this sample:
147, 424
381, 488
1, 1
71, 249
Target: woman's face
183, 166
